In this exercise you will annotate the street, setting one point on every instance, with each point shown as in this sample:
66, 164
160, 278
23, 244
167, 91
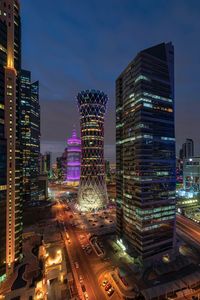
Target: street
79, 260
189, 228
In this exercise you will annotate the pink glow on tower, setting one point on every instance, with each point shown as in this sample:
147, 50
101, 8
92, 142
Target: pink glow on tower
73, 159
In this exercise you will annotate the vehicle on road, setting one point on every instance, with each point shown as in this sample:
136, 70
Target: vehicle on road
104, 283
86, 296
110, 291
76, 265
81, 278
106, 258
107, 287
83, 288
156, 282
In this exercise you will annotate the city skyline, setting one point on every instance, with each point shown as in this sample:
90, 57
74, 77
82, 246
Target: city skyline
85, 227
115, 43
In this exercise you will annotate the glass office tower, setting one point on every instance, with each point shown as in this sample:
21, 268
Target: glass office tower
30, 132
146, 153
10, 137
187, 150
92, 189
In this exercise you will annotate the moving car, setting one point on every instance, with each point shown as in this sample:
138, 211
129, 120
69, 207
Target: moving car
83, 288
86, 296
108, 286
104, 282
110, 291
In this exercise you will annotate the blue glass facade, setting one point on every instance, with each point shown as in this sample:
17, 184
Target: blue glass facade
146, 153
30, 134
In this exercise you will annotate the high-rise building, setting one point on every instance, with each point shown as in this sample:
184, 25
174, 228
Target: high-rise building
187, 150
59, 168
92, 189
191, 175
30, 130
45, 163
43, 186
107, 170
146, 161
45, 172
10, 137
73, 159
64, 164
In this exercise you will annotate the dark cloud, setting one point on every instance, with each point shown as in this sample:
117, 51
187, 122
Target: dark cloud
74, 45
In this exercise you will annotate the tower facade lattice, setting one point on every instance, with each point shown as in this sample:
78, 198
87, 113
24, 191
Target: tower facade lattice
92, 189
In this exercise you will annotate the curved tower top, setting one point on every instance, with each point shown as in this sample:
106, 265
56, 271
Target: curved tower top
74, 139
92, 189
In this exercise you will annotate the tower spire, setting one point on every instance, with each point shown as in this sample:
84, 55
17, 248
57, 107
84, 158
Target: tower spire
74, 134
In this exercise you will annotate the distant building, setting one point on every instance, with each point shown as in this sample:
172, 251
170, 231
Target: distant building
191, 174
92, 189
107, 170
43, 187
145, 154
64, 164
45, 163
179, 171
45, 171
73, 160
187, 150
30, 134
61, 166
181, 153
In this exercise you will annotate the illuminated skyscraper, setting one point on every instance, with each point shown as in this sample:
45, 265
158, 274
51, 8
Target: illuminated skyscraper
146, 164
10, 135
187, 150
191, 175
92, 189
45, 164
73, 159
30, 133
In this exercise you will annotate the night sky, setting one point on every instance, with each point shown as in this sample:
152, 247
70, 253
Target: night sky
71, 45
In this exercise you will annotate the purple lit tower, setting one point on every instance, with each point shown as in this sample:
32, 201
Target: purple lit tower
73, 159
